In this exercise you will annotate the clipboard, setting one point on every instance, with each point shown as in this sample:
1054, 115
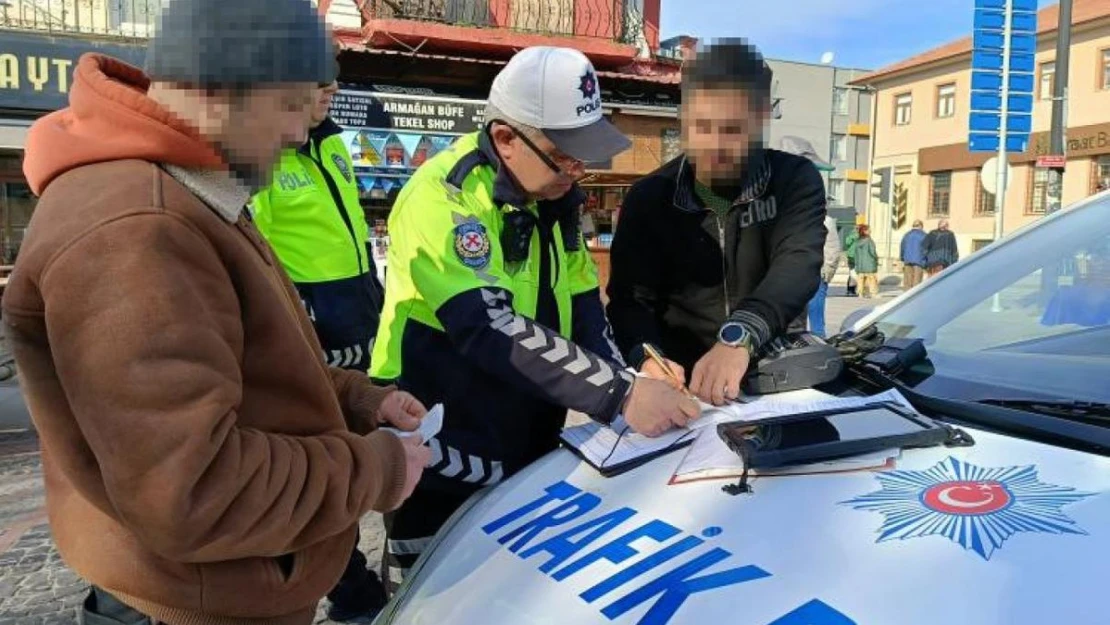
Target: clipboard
612, 451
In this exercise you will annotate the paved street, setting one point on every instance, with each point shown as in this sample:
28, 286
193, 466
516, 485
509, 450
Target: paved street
36, 588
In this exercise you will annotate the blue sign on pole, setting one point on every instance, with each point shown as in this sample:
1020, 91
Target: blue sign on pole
996, 80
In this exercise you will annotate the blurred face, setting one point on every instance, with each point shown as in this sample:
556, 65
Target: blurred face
256, 126
719, 126
541, 170
943, 225
918, 224
322, 105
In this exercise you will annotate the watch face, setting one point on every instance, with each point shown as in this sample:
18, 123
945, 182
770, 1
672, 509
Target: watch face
732, 333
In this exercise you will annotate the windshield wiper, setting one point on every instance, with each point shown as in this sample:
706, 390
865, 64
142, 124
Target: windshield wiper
1090, 434
1081, 411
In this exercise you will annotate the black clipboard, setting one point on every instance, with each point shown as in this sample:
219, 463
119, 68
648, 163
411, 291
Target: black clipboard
611, 470
756, 444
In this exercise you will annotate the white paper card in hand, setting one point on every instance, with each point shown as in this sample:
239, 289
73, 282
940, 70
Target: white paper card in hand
430, 425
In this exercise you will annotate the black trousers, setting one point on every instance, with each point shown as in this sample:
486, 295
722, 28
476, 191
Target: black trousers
410, 528
359, 589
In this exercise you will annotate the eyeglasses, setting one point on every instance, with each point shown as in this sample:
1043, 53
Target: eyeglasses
561, 164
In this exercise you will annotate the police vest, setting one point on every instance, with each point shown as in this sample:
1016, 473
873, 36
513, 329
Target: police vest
462, 324
311, 214
312, 218
456, 233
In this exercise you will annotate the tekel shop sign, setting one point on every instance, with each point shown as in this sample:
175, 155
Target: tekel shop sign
36, 71
374, 109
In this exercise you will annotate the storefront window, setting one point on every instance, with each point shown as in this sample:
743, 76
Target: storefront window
1101, 174
1038, 193
16, 205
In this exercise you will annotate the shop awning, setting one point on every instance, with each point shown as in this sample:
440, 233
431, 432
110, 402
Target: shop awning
670, 78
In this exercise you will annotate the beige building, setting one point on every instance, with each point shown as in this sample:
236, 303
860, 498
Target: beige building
920, 128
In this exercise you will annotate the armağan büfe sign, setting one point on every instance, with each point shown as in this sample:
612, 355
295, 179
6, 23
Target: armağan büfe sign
371, 109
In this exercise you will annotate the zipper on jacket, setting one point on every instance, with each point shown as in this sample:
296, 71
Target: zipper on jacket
338, 200
724, 262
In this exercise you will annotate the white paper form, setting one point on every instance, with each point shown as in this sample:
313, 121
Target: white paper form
430, 425
605, 446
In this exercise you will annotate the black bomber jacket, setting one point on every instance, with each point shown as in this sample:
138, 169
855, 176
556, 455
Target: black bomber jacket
679, 271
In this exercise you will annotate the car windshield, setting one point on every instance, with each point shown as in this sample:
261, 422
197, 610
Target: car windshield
1026, 319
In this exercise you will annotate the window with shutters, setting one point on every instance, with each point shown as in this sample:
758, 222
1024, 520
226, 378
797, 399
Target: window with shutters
1047, 81
940, 193
903, 105
984, 200
946, 100
1038, 192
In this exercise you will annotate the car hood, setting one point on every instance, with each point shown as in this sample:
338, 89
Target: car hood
980, 535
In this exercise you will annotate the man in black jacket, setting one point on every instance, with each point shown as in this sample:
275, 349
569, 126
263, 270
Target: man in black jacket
719, 250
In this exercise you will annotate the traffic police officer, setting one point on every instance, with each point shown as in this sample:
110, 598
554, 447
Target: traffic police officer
312, 218
492, 301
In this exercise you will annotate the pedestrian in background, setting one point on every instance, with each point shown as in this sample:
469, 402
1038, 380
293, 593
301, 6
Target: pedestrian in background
940, 249
850, 254
828, 272
913, 256
312, 217
202, 463
867, 263
815, 310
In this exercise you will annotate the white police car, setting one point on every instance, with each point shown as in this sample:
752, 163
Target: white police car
1013, 530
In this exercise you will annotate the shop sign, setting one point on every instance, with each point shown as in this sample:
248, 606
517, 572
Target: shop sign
36, 71
1083, 141
374, 109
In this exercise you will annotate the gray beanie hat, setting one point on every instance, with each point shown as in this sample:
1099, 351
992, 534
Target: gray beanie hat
240, 43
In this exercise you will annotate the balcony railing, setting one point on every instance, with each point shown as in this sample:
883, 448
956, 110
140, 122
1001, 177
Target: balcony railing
108, 18
614, 20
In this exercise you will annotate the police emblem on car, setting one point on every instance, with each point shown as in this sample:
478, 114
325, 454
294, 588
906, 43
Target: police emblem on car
341, 165
472, 244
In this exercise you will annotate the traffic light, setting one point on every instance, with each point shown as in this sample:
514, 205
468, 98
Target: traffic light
880, 184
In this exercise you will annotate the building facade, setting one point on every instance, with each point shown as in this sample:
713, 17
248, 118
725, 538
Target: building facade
818, 103
416, 73
920, 129
40, 43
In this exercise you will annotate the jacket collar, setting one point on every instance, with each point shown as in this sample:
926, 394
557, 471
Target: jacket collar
219, 189
756, 183
327, 128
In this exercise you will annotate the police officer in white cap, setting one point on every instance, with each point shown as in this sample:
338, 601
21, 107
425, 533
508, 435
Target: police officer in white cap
492, 302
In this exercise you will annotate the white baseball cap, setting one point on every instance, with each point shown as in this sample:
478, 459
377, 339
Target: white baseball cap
556, 90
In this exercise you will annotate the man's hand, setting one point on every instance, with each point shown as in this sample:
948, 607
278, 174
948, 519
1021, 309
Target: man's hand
402, 411
653, 407
417, 456
718, 374
651, 369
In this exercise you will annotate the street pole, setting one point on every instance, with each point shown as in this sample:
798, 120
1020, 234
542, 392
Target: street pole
1003, 162
890, 220
1050, 273
1059, 107
1000, 180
